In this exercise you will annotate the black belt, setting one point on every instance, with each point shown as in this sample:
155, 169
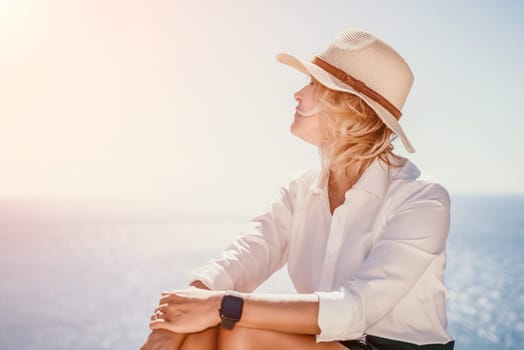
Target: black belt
373, 342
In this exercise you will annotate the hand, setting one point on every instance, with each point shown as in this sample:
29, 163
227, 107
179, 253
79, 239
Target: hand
160, 339
189, 310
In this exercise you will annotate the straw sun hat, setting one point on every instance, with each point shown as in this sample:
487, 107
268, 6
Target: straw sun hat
359, 63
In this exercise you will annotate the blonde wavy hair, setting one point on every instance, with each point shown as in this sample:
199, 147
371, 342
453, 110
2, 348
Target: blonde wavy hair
352, 134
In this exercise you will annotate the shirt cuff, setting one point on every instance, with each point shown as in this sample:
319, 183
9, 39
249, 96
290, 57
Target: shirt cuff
214, 277
336, 317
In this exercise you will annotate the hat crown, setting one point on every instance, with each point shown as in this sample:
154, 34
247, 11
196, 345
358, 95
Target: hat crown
370, 60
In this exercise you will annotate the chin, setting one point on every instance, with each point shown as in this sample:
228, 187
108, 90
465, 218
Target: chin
292, 129
306, 138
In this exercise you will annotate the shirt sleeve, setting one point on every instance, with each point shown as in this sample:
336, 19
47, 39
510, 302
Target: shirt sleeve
257, 252
413, 236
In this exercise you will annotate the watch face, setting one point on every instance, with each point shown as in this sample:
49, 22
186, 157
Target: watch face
232, 306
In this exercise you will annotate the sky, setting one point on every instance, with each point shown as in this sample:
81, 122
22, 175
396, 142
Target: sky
182, 104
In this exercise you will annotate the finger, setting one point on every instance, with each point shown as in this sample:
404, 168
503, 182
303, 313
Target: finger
166, 298
166, 292
158, 324
162, 308
157, 316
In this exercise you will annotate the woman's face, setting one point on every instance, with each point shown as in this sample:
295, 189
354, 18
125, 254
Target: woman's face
306, 127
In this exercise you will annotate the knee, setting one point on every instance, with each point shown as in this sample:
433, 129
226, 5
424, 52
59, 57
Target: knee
206, 339
237, 338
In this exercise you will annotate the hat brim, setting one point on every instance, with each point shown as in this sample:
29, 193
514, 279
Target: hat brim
333, 83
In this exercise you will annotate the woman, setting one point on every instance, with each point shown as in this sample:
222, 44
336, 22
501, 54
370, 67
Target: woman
364, 236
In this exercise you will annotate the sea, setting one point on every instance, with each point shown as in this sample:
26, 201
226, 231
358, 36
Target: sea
71, 279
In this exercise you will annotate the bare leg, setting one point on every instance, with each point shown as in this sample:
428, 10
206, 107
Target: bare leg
161, 339
241, 338
204, 340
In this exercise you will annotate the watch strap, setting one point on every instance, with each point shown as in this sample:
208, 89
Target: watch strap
226, 321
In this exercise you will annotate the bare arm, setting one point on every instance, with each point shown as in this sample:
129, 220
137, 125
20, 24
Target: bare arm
192, 310
288, 313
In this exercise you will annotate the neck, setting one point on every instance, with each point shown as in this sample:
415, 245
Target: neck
339, 186
342, 179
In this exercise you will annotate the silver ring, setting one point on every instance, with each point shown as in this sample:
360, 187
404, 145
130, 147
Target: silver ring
157, 314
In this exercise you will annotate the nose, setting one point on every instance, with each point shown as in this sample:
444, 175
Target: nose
298, 95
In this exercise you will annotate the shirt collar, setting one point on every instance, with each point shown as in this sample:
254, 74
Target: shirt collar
374, 180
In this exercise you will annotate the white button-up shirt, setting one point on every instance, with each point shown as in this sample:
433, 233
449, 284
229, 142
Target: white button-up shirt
376, 264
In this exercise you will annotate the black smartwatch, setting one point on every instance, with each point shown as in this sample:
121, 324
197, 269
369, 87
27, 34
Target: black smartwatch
230, 310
